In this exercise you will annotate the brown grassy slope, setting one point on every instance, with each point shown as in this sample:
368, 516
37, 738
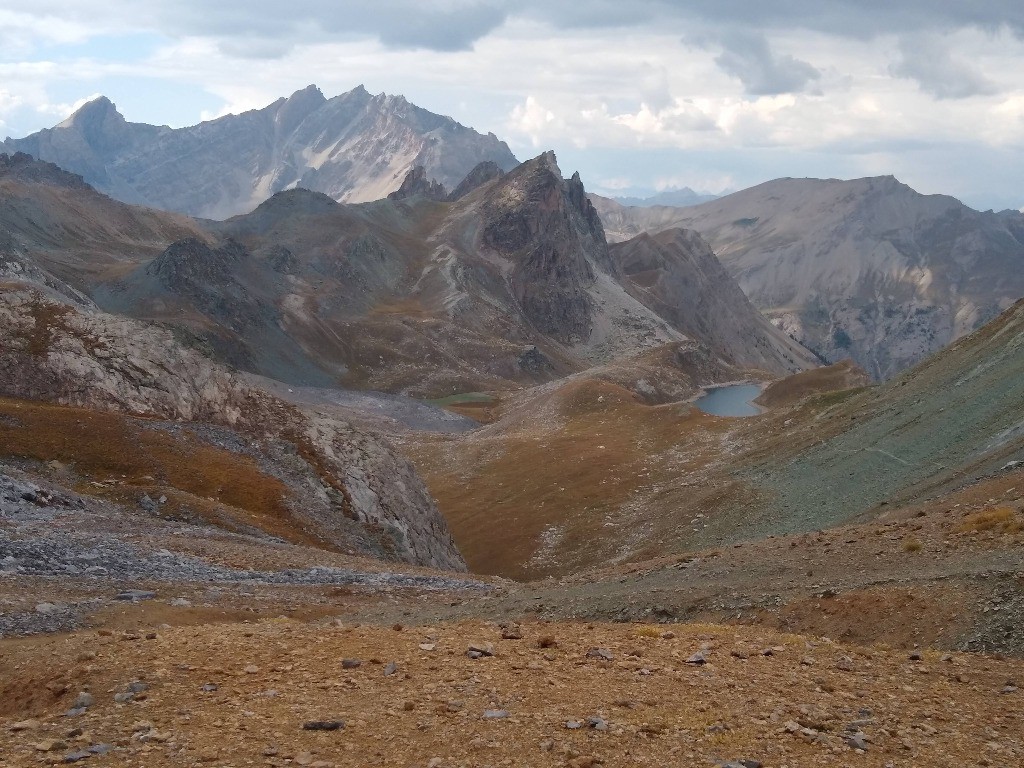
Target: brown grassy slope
557, 485
266, 680
832, 378
119, 458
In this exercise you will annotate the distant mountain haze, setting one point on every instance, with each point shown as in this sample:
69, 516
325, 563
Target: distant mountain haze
675, 197
354, 147
867, 269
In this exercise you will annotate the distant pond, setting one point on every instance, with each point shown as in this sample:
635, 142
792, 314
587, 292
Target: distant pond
732, 400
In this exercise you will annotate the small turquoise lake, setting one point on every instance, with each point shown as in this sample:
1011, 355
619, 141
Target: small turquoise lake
732, 400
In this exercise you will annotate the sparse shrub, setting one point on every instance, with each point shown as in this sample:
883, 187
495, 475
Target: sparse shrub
547, 641
648, 631
997, 519
912, 545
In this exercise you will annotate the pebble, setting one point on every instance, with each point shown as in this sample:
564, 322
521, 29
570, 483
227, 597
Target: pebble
49, 745
479, 650
390, 668
495, 714
856, 741
84, 700
323, 725
511, 632
597, 723
600, 653
351, 663
697, 658
135, 595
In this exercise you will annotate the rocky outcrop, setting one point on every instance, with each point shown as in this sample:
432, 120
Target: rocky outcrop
190, 264
546, 227
354, 147
24, 167
676, 274
416, 184
54, 352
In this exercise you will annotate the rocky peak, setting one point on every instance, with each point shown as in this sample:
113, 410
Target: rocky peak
297, 107
297, 201
92, 113
354, 147
484, 172
100, 125
542, 223
577, 196
416, 184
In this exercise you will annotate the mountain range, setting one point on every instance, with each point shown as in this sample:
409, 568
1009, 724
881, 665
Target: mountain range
868, 269
672, 197
510, 284
439, 460
354, 147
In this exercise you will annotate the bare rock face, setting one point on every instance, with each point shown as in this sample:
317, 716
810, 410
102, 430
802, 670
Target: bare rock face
416, 183
55, 352
676, 274
188, 262
354, 147
547, 227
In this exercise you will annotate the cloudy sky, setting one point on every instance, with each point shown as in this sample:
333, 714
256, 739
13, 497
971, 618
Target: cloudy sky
638, 96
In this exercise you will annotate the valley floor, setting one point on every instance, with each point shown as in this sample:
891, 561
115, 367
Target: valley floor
233, 642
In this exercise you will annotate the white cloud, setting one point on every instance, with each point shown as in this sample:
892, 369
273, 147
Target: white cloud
824, 86
927, 60
763, 72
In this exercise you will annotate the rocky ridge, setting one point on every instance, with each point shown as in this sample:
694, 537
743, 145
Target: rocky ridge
354, 147
868, 268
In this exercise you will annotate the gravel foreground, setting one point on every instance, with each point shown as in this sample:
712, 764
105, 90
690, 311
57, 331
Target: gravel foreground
282, 693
